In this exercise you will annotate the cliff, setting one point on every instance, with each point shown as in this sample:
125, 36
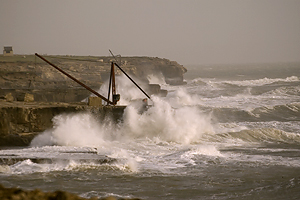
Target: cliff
27, 74
20, 122
32, 92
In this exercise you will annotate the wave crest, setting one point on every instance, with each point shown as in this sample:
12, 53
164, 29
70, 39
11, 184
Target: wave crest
264, 135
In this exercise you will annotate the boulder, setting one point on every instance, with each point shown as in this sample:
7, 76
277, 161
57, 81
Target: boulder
9, 97
37, 194
28, 97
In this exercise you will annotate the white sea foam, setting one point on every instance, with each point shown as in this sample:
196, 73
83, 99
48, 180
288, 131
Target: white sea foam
261, 160
264, 81
214, 84
207, 150
180, 97
5, 169
156, 79
28, 167
160, 126
126, 88
183, 125
285, 91
73, 130
171, 134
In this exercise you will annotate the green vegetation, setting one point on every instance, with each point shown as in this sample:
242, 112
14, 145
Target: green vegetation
33, 59
18, 58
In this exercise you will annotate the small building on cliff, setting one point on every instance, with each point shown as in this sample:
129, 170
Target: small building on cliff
8, 51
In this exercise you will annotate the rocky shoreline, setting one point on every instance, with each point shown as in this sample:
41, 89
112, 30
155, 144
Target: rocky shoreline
37, 194
32, 92
22, 121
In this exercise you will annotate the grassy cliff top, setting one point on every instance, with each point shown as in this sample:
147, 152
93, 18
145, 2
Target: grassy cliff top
69, 58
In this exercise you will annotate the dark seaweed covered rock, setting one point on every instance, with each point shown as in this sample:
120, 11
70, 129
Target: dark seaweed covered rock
37, 194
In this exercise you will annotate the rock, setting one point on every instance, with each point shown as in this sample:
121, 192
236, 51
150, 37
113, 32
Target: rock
19, 194
21, 121
28, 97
26, 85
47, 84
154, 88
109, 198
37, 194
9, 97
95, 101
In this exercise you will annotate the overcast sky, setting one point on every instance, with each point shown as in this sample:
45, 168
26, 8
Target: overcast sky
190, 32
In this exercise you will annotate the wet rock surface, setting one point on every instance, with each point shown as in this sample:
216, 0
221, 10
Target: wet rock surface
37, 194
22, 121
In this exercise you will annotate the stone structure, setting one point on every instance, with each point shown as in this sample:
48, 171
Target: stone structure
8, 51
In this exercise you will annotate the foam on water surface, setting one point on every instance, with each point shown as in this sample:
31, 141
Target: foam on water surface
210, 134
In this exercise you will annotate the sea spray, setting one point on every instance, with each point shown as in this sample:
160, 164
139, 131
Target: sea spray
182, 125
156, 79
126, 88
247, 156
161, 124
180, 97
263, 81
74, 130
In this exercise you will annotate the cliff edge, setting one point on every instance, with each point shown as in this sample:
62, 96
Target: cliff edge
32, 92
21, 74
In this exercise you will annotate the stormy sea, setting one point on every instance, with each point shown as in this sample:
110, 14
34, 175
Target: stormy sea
231, 132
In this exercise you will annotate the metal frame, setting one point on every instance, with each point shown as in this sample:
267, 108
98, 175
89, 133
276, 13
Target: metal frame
112, 82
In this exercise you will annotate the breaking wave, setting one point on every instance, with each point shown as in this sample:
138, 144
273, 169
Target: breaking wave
264, 81
181, 129
261, 135
283, 91
182, 125
289, 112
